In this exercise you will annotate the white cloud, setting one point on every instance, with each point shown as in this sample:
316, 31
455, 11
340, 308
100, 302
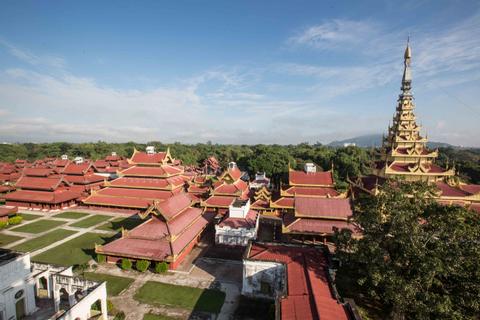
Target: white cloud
334, 33
33, 59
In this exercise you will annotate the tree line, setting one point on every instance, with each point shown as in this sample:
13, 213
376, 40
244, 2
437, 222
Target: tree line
273, 159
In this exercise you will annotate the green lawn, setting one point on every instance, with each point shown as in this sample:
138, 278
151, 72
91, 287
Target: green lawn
151, 316
115, 284
76, 251
118, 223
28, 217
43, 241
71, 215
156, 293
39, 226
90, 221
6, 239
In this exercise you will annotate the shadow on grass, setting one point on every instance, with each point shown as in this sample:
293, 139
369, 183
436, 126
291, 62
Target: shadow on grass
127, 223
91, 251
211, 300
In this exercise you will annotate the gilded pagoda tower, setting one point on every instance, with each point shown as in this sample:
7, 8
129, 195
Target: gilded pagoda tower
404, 150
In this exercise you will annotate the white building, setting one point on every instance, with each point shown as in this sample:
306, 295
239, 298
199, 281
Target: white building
58, 293
17, 286
260, 181
239, 226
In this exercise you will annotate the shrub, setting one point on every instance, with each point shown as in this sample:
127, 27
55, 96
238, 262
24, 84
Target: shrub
126, 264
119, 316
142, 265
110, 307
80, 268
15, 220
3, 224
101, 258
161, 267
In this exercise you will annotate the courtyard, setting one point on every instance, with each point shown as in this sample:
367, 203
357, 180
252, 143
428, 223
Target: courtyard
199, 288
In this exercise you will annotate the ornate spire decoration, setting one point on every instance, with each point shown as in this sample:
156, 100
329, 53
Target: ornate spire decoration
404, 150
407, 71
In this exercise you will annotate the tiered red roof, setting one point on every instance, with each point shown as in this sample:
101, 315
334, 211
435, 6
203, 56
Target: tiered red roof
308, 294
227, 189
173, 229
319, 216
148, 178
83, 176
302, 178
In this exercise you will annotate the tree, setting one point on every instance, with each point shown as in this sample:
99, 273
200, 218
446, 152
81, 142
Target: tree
420, 259
161, 267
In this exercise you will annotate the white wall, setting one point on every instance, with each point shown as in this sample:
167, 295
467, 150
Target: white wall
255, 272
15, 276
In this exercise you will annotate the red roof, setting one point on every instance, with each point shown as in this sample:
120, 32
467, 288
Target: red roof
157, 239
118, 201
148, 183
38, 183
310, 178
318, 226
58, 196
8, 211
471, 188
135, 193
248, 222
308, 296
449, 191
475, 207
284, 202
162, 171
312, 191
174, 205
143, 157
323, 208
86, 179
260, 204
77, 169
218, 201
37, 172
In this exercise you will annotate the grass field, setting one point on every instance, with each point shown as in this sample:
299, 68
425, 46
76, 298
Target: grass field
156, 293
115, 285
90, 221
7, 239
71, 215
29, 217
43, 241
151, 316
76, 251
118, 223
39, 226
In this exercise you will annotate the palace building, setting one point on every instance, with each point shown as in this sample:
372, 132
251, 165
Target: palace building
227, 189
41, 189
404, 151
310, 208
83, 176
171, 233
152, 176
404, 154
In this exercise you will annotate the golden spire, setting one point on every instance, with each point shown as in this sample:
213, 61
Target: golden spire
407, 73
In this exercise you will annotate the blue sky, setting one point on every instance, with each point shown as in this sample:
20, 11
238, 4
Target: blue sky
234, 72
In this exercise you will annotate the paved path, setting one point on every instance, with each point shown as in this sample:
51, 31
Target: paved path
205, 274
51, 216
202, 273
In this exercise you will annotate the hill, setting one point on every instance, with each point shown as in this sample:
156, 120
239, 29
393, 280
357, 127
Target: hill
375, 140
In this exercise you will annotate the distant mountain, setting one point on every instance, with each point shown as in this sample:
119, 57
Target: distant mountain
375, 140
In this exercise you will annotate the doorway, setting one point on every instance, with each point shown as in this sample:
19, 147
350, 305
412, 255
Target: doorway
20, 309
